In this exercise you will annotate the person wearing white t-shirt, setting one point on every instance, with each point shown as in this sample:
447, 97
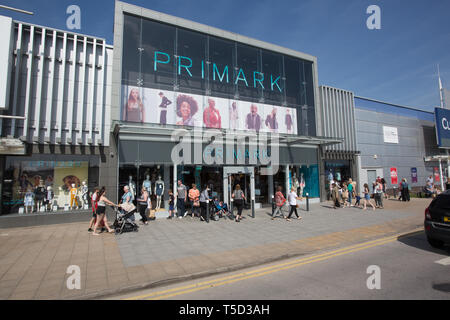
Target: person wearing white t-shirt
292, 198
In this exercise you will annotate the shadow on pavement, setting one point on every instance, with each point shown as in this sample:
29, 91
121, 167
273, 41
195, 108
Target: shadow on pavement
444, 287
419, 241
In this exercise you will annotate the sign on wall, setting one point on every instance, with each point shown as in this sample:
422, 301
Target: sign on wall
414, 175
442, 118
394, 176
390, 134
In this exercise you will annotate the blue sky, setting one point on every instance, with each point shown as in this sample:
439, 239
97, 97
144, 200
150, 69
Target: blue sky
397, 64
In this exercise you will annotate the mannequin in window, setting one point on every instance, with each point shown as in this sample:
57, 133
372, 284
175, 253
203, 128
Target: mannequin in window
28, 201
73, 196
84, 195
132, 187
302, 185
39, 195
147, 185
49, 196
159, 191
295, 183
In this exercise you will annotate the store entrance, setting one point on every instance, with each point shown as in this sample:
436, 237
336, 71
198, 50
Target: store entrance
242, 176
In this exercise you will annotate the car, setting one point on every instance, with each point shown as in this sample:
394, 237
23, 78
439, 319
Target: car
437, 221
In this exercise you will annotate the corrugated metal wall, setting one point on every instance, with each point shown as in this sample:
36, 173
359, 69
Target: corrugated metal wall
338, 118
61, 84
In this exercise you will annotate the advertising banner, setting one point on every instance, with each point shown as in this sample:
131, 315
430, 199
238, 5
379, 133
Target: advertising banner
442, 118
414, 175
437, 176
394, 177
146, 105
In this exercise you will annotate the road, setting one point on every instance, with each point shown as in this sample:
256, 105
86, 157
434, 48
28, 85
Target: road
408, 269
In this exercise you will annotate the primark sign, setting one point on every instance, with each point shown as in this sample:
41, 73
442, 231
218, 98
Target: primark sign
442, 117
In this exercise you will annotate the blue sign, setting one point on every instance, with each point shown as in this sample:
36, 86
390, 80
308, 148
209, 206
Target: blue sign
442, 117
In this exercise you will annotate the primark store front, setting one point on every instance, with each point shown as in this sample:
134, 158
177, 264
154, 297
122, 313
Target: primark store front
206, 106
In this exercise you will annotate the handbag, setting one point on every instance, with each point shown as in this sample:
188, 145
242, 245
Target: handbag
128, 207
196, 203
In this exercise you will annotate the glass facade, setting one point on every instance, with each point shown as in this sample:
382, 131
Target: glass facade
170, 58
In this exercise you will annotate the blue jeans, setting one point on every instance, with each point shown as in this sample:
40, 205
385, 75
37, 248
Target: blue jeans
180, 207
350, 197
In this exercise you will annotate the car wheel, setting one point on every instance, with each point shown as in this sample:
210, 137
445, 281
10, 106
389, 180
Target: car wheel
438, 244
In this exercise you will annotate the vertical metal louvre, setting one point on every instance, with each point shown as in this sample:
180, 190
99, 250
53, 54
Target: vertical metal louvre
59, 86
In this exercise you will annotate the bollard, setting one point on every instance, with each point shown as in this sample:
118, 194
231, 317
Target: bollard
253, 208
207, 211
273, 205
231, 206
307, 202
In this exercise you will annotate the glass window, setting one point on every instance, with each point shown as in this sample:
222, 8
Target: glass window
158, 44
247, 64
293, 80
131, 55
191, 64
272, 64
221, 53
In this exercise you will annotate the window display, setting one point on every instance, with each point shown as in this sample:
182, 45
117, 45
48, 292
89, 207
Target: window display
47, 185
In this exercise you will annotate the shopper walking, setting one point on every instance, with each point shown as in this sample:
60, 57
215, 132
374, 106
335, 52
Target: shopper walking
351, 192
280, 201
181, 198
292, 198
194, 197
94, 202
101, 211
345, 195
380, 192
367, 197
171, 205
204, 197
335, 196
405, 190
143, 204
239, 198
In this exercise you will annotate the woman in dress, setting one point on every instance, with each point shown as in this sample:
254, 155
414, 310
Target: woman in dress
288, 121
187, 107
134, 109
367, 197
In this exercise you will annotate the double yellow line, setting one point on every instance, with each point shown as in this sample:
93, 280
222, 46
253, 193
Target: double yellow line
165, 294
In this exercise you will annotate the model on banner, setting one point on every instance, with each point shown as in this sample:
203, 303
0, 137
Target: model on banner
164, 104
187, 107
253, 120
134, 109
288, 121
234, 116
271, 121
211, 116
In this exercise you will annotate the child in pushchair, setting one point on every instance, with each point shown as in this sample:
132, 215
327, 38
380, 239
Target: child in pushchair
221, 209
125, 221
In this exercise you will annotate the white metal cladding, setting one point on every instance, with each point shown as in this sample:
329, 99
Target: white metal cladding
338, 117
61, 84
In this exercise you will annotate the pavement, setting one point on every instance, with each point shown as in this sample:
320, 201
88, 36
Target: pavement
34, 261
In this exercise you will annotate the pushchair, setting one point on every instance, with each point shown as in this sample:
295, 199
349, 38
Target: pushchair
124, 221
221, 211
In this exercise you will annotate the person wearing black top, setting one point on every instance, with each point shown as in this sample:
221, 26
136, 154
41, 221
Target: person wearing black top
164, 104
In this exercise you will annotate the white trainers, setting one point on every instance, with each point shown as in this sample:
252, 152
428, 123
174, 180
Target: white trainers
180, 217
185, 214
